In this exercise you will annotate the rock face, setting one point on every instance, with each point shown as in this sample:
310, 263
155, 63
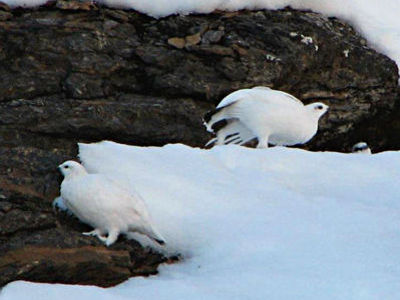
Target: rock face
72, 71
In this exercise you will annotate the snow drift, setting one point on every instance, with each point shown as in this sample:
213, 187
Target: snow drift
274, 223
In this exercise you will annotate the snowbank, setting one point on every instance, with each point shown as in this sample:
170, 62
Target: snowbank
377, 20
274, 223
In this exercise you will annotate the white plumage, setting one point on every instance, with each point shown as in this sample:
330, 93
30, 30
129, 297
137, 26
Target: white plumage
101, 202
271, 116
361, 148
59, 205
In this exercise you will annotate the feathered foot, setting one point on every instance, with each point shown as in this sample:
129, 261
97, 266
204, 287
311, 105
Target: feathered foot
97, 233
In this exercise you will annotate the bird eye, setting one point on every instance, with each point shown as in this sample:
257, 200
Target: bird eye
320, 107
66, 167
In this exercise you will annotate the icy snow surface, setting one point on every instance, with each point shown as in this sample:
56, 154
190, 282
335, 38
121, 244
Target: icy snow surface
377, 20
274, 223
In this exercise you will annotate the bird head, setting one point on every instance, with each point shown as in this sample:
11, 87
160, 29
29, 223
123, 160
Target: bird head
71, 168
317, 109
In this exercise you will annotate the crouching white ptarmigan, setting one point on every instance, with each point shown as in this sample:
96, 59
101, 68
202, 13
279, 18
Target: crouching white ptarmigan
271, 116
361, 148
102, 203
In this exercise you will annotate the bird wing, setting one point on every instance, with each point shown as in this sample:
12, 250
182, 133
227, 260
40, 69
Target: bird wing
129, 199
274, 96
96, 195
259, 92
233, 97
290, 97
136, 214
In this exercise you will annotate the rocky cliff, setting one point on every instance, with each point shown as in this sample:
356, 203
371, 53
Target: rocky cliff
73, 71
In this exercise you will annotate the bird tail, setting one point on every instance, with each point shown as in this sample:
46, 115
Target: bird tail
217, 115
160, 242
234, 132
153, 234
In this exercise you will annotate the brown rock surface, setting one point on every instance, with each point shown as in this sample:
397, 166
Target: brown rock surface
78, 72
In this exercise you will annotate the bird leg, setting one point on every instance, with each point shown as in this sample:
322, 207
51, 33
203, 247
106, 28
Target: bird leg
94, 232
263, 143
112, 237
98, 233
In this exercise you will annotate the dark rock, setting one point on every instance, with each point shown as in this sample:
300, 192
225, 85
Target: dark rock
177, 42
102, 266
63, 255
212, 36
75, 5
4, 6
4, 15
72, 71
45, 247
193, 39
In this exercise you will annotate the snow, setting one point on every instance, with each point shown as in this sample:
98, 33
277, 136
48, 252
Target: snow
308, 41
377, 20
273, 223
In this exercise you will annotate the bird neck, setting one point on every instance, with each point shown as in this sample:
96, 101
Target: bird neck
76, 174
314, 115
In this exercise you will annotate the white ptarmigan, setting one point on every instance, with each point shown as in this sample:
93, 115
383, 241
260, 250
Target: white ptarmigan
102, 203
361, 148
272, 116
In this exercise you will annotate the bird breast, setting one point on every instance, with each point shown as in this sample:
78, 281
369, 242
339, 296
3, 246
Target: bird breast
85, 200
297, 129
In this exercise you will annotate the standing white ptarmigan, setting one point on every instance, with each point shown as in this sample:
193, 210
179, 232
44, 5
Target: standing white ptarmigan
271, 116
103, 204
361, 148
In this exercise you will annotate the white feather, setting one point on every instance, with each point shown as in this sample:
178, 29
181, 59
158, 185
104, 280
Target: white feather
257, 91
59, 204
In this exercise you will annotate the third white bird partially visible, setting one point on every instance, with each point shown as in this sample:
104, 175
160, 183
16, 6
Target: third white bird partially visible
272, 116
361, 148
